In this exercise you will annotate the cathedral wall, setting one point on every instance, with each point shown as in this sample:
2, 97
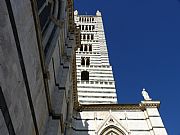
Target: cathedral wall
22, 91
3, 128
136, 122
11, 78
29, 46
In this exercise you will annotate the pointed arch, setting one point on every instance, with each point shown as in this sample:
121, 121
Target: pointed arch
112, 130
112, 126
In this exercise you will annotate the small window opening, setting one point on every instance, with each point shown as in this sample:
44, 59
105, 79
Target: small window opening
88, 37
92, 36
81, 49
90, 47
84, 36
84, 75
89, 27
87, 61
93, 27
86, 27
82, 61
85, 47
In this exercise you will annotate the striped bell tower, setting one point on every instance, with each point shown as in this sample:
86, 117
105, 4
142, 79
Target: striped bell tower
95, 81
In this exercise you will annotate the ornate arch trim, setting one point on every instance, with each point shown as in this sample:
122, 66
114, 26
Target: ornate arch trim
111, 124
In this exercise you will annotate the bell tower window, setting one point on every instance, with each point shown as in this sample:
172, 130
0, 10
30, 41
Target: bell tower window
85, 75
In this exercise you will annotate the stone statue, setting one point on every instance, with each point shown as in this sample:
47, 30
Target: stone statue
98, 13
146, 95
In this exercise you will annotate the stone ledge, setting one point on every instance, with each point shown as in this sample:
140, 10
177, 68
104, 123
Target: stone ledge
149, 104
142, 106
91, 107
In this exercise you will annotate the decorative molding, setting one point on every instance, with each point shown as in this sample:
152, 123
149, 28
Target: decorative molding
112, 121
103, 107
149, 104
95, 107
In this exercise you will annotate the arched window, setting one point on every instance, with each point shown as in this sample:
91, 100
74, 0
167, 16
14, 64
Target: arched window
81, 48
92, 36
85, 47
90, 47
86, 27
89, 27
84, 36
88, 37
93, 27
85, 75
87, 61
82, 61
48, 13
80, 27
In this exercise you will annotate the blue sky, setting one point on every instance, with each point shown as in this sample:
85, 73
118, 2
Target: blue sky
143, 38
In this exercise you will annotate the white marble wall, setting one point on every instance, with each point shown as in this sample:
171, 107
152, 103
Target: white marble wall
134, 122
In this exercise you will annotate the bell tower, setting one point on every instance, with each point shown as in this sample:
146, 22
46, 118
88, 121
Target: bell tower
95, 81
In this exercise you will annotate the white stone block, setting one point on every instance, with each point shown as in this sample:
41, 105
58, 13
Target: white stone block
135, 115
156, 122
87, 115
160, 131
119, 115
152, 112
102, 114
138, 125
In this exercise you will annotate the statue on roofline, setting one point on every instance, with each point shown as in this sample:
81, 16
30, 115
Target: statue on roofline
146, 95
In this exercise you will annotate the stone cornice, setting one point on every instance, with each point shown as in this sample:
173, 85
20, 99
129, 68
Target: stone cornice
142, 106
149, 104
95, 107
